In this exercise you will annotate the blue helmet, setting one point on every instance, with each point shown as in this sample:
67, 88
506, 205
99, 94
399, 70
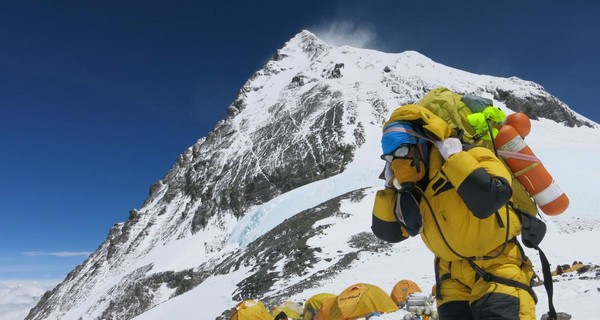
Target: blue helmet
397, 133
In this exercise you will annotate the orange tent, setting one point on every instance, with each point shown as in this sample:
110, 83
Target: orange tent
314, 304
402, 290
250, 310
326, 308
358, 300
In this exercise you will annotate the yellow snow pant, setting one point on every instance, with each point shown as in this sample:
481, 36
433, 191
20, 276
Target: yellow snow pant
466, 295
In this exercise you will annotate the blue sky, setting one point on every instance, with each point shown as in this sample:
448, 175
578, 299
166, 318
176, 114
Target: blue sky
97, 99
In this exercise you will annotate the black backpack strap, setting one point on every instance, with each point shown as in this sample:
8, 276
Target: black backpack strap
438, 281
533, 231
440, 278
488, 277
548, 284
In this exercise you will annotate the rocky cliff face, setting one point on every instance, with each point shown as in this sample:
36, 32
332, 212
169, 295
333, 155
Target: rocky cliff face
303, 118
541, 105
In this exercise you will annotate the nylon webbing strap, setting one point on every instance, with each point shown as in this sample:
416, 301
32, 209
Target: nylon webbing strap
526, 169
548, 284
440, 278
438, 281
488, 277
521, 156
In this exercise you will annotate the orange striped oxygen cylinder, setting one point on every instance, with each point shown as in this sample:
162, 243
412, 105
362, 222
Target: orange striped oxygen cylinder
527, 168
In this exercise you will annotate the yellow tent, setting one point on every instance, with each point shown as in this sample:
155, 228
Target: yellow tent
359, 300
250, 310
291, 309
574, 267
314, 304
402, 290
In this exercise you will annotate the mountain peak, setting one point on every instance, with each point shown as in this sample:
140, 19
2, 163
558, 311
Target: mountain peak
307, 38
416, 56
262, 204
305, 42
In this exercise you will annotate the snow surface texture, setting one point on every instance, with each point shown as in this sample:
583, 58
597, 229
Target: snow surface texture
370, 85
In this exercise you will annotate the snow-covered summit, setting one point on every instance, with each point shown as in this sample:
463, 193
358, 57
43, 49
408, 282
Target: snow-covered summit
275, 202
309, 43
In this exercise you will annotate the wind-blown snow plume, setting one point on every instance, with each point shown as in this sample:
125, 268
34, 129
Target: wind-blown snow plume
339, 33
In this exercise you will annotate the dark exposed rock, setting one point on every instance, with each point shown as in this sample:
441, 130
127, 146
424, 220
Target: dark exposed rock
298, 80
43, 306
140, 291
540, 106
367, 241
252, 178
336, 72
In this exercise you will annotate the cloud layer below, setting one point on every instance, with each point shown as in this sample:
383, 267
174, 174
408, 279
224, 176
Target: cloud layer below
18, 297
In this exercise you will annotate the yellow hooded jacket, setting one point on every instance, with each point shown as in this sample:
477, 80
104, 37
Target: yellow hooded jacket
465, 199
473, 216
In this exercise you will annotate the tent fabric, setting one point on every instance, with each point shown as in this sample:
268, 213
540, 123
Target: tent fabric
359, 300
291, 309
402, 290
326, 308
574, 268
314, 304
250, 310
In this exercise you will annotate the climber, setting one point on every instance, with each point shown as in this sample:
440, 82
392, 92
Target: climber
457, 198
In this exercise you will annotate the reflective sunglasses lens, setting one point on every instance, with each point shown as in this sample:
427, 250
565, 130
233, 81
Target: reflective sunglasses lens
401, 152
404, 151
387, 157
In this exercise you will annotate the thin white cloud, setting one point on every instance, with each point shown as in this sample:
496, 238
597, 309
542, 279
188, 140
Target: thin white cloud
57, 254
339, 33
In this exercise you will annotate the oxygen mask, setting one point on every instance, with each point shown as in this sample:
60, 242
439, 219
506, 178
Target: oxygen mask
407, 172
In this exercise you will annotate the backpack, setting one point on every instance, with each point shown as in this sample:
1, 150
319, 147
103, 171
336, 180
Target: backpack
457, 110
468, 117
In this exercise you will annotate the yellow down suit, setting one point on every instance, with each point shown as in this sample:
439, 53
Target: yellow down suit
462, 180
481, 269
